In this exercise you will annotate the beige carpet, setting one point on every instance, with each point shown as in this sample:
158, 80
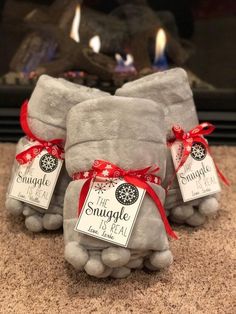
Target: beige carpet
34, 277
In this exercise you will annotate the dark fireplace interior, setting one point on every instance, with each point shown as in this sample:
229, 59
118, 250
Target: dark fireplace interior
104, 44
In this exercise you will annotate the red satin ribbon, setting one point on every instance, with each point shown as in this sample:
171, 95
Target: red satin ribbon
194, 135
53, 147
139, 178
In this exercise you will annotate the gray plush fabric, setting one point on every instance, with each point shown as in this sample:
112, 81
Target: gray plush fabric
50, 102
171, 89
47, 110
99, 127
130, 133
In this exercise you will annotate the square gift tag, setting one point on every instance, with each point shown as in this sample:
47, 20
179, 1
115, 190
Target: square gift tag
110, 210
197, 177
34, 182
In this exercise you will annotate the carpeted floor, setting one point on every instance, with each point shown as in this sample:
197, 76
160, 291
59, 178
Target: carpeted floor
34, 277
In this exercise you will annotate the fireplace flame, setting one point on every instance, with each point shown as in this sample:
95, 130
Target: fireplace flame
74, 34
160, 44
119, 59
129, 60
126, 63
95, 43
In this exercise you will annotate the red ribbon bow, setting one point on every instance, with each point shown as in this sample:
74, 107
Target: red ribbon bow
139, 178
194, 135
53, 147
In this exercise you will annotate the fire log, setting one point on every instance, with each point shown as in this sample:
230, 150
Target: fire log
70, 55
143, 22
36, 48
130, 27
111, 29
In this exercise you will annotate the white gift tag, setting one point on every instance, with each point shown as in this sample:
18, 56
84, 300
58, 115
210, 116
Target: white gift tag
35, 181
110, 210
198, 176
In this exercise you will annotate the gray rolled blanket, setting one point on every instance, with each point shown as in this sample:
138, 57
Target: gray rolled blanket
47, 110
125, 132
171, 89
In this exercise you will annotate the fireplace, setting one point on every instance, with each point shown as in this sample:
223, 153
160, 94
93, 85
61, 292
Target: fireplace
105, 45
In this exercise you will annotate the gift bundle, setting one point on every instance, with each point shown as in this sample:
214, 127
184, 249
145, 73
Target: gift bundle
171, 89
43, 119
114, 170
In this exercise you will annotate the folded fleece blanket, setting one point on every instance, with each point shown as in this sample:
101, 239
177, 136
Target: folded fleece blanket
171, 89
129, 133
47, 110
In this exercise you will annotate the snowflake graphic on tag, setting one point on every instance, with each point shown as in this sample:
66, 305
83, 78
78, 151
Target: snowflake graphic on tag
110, 210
